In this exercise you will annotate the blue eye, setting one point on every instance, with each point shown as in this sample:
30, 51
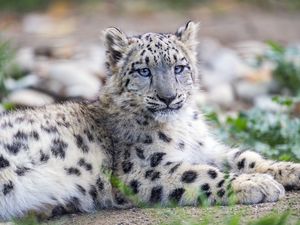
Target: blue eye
144, 72
178, 69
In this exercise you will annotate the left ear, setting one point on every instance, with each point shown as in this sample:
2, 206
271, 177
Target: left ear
188, 34
116, 43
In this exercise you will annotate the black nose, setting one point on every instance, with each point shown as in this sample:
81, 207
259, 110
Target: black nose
166, 99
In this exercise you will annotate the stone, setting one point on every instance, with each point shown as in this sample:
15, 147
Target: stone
221, 94
25, 59
24, 82
220, 64
247, 91
27, 97
68, 79
265, 102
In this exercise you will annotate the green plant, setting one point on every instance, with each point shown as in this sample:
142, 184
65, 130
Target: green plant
5, 57
273, 134
287, 66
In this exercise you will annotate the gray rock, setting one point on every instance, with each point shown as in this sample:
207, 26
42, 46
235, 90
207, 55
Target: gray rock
25, 59
220, 64
68, 79
247, 90
265, 102
221, 94
30, 80
28, 97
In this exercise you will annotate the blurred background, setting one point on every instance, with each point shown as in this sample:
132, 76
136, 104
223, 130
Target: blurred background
249, 52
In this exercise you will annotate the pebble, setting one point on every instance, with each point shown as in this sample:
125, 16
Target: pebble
27, 97
70, 80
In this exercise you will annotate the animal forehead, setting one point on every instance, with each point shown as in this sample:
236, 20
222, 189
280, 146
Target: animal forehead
155, 48
158, 41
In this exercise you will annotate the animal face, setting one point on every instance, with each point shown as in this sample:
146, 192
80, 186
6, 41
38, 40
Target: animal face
155, 72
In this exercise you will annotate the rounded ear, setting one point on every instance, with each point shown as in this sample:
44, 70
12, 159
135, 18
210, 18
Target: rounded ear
116, 44
188, 34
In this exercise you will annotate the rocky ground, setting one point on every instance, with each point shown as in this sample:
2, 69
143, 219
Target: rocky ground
216, 215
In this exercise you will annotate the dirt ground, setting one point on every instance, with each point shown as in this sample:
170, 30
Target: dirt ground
217, 215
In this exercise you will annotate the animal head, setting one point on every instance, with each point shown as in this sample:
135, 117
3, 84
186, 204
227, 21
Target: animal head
153, 72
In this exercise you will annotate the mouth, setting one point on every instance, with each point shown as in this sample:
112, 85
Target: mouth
166, 110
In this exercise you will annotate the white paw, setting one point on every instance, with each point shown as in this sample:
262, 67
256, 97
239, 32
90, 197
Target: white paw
288, 174
257, 188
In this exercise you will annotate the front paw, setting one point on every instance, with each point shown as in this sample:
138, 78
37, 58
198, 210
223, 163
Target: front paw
257, 188
288, 174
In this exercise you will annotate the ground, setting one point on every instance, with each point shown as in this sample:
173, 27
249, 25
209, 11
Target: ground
171, 215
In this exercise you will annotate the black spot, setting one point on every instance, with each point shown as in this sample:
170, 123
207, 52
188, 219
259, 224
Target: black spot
14, 148
73, 170
156, 194
44, 157
93, 193
200, 143
20, 171
174, 168
134, 184
195, 115
140, 153
147, 60
58, 148
241, 164
81, 189
84, 164
155, 175
207, 194
220, 184
89, 135
3, 162
237, 154
73, 205
80, 143
176, 195
20, 119
148, 173
252, 165
280, 172
221, 193
156, 158
127, 82
7, 188
168, 163
205, 187
181, 145
58, 211
119, 199
148, 139
35, 135
189, 176
164, 137
6, 124
49, 129
127, 166
99, 184
212, 174
21, 135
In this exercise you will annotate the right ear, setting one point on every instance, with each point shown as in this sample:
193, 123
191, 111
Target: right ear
116, 44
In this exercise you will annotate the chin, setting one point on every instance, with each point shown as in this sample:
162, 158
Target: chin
166, 115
